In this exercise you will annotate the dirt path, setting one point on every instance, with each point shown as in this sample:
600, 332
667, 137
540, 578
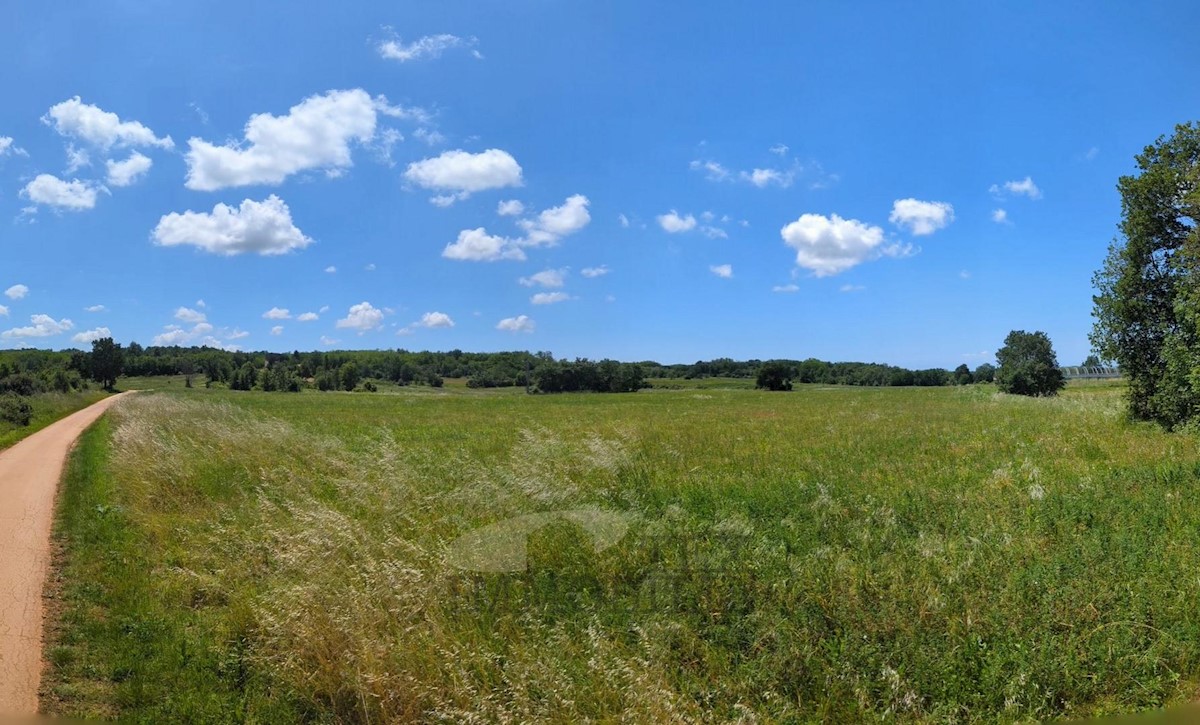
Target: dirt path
29, 476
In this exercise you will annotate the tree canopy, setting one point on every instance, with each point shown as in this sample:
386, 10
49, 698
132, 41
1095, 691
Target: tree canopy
1147, 305
1028, 365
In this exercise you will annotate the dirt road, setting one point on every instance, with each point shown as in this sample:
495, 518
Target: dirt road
29, 476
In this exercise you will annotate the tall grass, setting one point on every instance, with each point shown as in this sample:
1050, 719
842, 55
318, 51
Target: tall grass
831, 553
47, 408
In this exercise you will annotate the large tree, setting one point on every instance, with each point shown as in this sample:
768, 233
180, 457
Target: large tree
1028, 365
107, 362
1147, 307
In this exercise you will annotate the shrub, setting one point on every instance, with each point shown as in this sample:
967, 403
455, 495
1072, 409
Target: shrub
15, 410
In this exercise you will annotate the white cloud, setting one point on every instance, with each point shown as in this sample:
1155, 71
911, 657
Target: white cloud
921, 217
713, 232
724, 271
327, 341
124, 173
476, 245
77, 159
593, 272
786, 288
362, 317
512, 207
201, 304
1023, 187
964, 274
673, 223
552, 224
429, 137
307, 317
277, 313
73, 195
277, 330
7, 147
779, 149
430, 46
186, 314
713, 171
623, 220
330, 269
16, 292
829, 245
520, 323
763, 178
96, 308
851, 288
369, 267
263, 227
461, 173
549, 298
3, 311
435, 320
90, 336
1092, 153
545, 278
86, 122
1000, 216
315, 134
324, 309
43, 326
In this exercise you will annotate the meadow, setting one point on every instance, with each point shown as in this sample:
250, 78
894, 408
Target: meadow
47, 408
919, 554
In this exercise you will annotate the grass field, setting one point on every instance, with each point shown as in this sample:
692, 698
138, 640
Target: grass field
938, 554
47, 408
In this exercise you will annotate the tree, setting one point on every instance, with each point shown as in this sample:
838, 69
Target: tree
1028, 365
349, 376
774, 376
107, 362
1147, 306
962, 375
985, 373
1091, 361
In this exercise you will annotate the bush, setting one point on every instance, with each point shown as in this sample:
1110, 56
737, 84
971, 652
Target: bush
1028, 365
21, 384
15, 410
774, 376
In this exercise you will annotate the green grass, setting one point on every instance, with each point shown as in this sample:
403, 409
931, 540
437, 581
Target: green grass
47, 408
842, 554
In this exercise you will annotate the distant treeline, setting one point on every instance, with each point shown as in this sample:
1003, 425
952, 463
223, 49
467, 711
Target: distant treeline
359, 369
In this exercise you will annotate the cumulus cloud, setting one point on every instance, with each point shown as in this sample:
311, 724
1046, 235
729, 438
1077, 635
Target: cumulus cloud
16, 292
277, 313
724, 271
3, 311
921, 217
89, 336
512, 207
672, 223
262, 227
277, 330
76, 119
460, 174
829, 245
429, 46
549, 298
551, 225
623, 221
520, 323
74, 195
434, 320
125, 173
546, 229
328, 341
545, 278
95, 308
315, 134
779, 149
362, 318
331, 269
42, 326
476, 245
1000, 216
1022, 187
77, 159
786, 288
307, 317
8, 146
186, 314
593, 272
763, 178
713, 171
851, 288
201, 334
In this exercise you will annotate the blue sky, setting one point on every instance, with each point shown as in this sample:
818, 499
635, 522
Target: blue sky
890, 182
